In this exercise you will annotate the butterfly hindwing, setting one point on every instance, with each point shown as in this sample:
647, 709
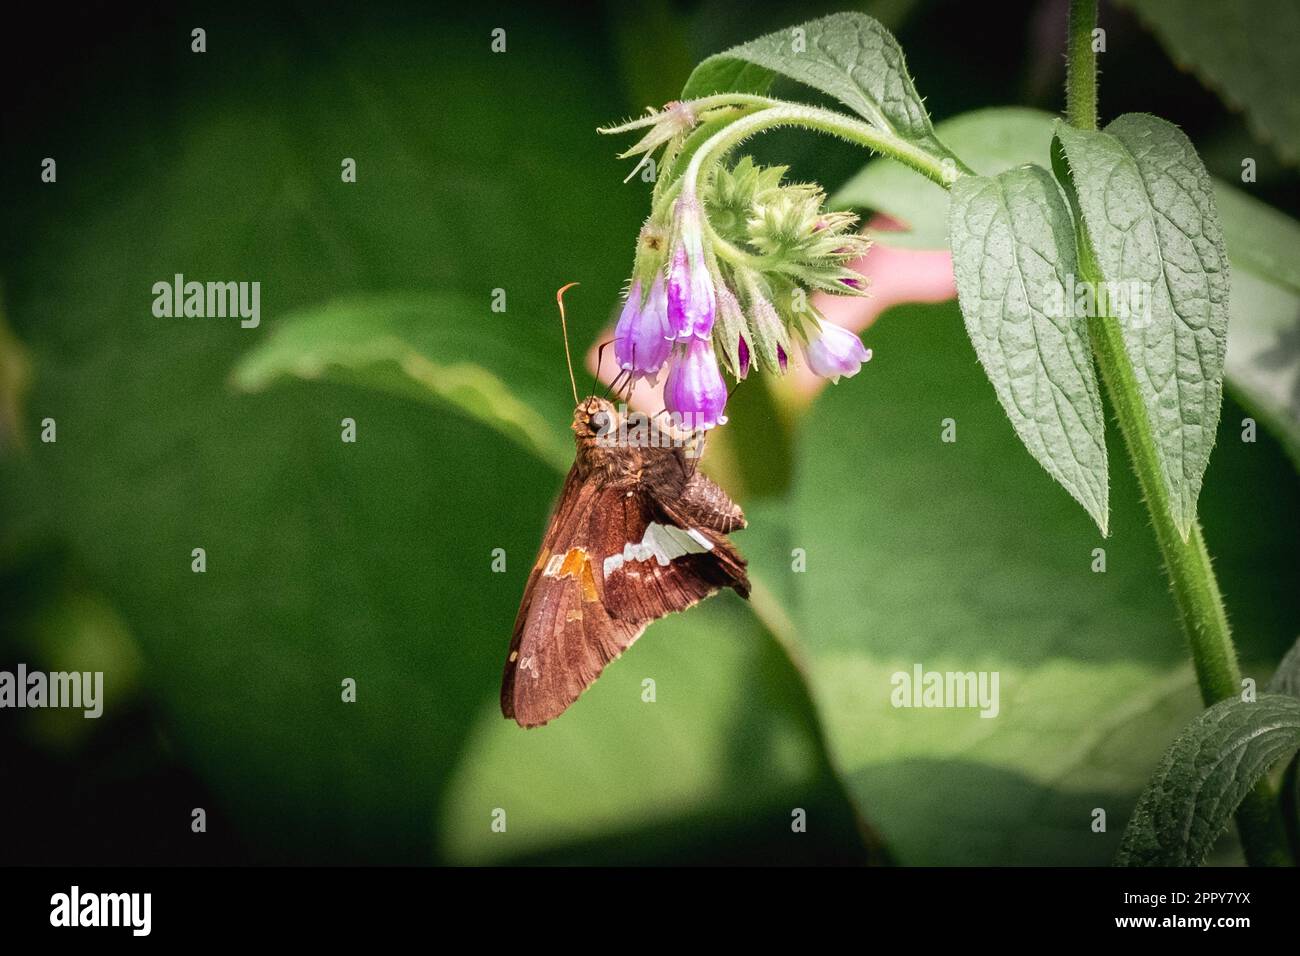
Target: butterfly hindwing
677, 561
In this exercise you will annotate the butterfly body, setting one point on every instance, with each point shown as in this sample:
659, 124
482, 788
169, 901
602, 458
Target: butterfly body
637, 533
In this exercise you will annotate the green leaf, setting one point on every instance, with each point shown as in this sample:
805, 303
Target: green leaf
1205, 775
1149, 211
632, 768
1244, 52
1259, 237
1014, 258
1263, 360
990, 141
1286, 679
848, 56
960, 557
425, 347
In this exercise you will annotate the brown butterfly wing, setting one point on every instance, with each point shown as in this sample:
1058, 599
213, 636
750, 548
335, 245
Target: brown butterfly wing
559, 518
564, 636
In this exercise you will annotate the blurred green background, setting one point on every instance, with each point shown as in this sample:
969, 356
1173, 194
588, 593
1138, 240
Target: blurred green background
372, 561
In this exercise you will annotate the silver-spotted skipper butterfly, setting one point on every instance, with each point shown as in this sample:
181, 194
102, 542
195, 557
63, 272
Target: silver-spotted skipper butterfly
637, 533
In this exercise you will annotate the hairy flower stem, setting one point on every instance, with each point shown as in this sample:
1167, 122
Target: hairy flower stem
1081, 67
1191, 574
821, 120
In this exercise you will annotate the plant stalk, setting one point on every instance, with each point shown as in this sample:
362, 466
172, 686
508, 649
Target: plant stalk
1081, 66
1187, 562
825, 121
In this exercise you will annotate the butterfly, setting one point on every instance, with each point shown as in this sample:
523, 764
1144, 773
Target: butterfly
638, 532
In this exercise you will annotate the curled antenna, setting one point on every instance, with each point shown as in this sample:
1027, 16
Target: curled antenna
564, 327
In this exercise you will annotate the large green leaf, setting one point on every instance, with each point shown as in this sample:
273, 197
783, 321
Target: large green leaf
1244, 52
649, 769
370, 560
1205, 775
1151, 221
1286, 679
959, 557
1263, 360
1259, 238
427, 348
848, 56
1014, 258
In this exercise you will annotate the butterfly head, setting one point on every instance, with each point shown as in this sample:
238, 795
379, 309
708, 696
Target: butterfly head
593, 419
595, 427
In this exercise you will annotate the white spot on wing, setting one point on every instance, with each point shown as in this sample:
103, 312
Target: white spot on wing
661, 542
700, 539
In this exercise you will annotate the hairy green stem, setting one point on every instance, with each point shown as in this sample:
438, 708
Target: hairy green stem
1081, 67
1191, 574
821, 120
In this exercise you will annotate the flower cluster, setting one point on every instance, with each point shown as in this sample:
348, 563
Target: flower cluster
724, 274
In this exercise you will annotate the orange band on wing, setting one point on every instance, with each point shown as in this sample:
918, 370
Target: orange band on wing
575, 564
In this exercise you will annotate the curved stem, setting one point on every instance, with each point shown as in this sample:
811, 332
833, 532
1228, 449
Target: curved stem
670, 173
821, 120
1187, 562
732, 99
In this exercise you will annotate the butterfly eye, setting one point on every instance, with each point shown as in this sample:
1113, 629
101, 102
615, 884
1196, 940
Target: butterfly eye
599, 422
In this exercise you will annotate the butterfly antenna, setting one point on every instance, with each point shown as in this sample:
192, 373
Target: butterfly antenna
564, 327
